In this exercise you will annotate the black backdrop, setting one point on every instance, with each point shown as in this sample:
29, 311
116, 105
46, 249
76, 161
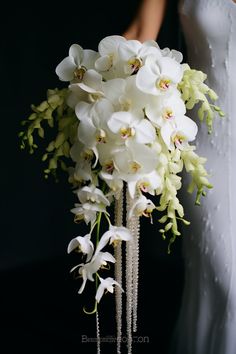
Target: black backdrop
40, 310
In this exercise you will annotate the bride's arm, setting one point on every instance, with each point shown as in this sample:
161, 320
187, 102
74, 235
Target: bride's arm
148, 20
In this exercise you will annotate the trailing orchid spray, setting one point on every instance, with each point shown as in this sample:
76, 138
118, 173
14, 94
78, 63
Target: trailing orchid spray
123, 134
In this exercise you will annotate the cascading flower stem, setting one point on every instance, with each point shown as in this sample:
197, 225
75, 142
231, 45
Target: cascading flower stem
99, 218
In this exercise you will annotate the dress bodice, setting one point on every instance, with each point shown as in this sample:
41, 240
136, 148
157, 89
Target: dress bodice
209, 27
207, 319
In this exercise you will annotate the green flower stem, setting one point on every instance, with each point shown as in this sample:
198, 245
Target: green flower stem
94, 310
93, 226
98, 222
108, 220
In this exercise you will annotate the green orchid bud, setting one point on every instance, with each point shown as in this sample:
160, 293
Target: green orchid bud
163, 219
59, 139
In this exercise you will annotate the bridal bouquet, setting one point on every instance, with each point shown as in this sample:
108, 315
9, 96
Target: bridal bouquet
124, 137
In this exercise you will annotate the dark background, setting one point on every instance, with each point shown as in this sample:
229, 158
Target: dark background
40, 310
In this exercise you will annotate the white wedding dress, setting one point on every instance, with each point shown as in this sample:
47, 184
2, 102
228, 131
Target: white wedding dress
207, 319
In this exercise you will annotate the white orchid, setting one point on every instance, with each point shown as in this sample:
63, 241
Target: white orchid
100, 259
165, 109
134, 160
88, 270
158, 75
92, 194
93, 118
84, 244
168, 114
76, 95
128, 126
83, 158
108, 172
114, 235
87, 211
83, 172
96, 88
73, 67
92, 84
118, 233
109, 57
147, 183
113, 180
106, 284
132, 99
185, 131
172, 53
142, 206
134, 53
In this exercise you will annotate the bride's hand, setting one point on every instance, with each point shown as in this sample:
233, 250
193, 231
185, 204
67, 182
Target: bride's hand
147, 22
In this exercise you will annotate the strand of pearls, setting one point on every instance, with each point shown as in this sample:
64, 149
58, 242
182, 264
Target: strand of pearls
118, 270
129, 276
98, 334
135, 233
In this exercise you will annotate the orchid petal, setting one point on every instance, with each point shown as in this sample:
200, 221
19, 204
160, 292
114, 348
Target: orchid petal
145, 132
76, 52
65, 70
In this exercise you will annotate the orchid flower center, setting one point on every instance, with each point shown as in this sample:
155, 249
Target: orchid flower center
178, 139
78, 249
135, 64
168, 113
79, 73
93, 97
111, 60
105, 265
101, 136
127, 132
163, 84
116, 242
147, 212
92, 199
126, 104
144, 186
78, 218
135, 166
109, 166
87, 155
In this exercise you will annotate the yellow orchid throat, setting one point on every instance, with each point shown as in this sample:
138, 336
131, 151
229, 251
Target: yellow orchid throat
79, 73
135, 64
127, 132
144, 186
163, 84
134, 166
87, 155
178, 138
109, 166
167, 113
101, 136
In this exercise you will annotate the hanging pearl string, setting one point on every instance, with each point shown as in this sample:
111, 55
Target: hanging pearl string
118, 271
129, 276
135, 233
98, 334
